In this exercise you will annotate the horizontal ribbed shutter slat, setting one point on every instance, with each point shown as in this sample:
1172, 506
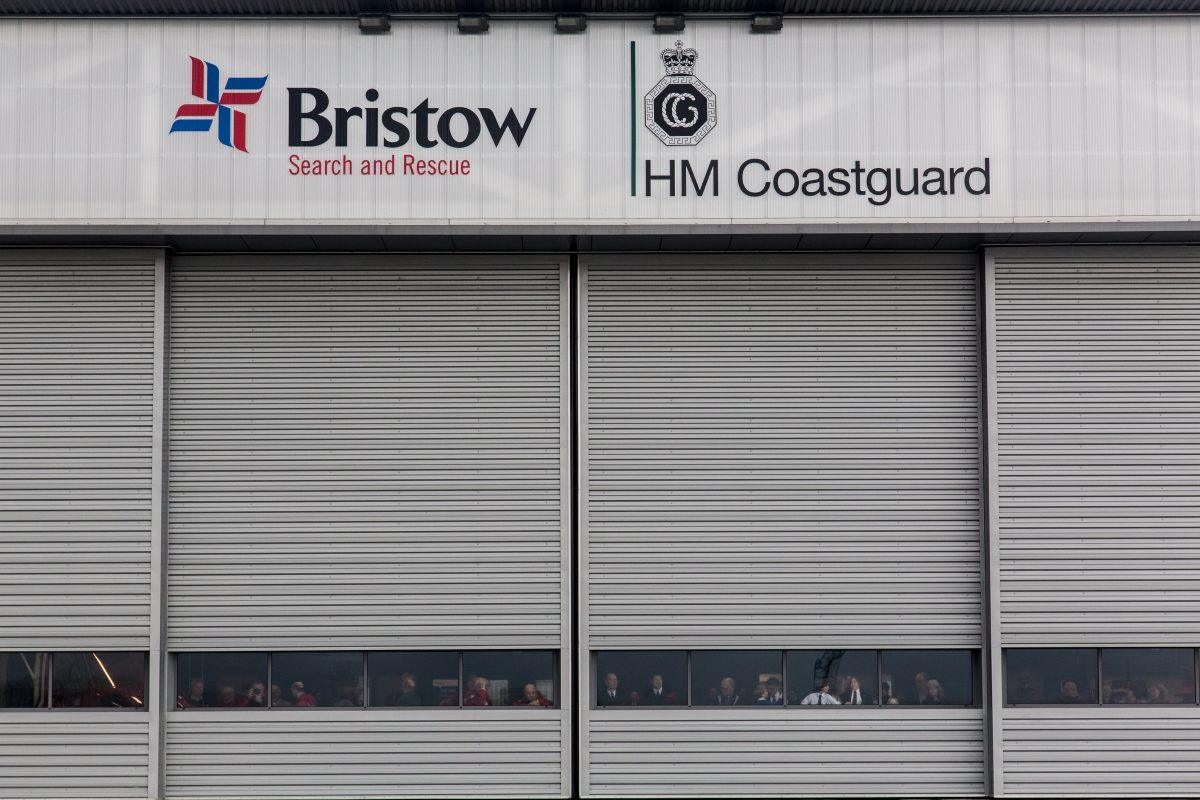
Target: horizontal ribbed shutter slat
365, 452
381, 754
1098, 404
782, 450
76, 418
1101, 752
85, 754
810, 752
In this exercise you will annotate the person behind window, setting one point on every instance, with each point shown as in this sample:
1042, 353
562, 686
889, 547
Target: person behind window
727, 693
227, 697
277, 698
934, 695
346, 695
408, 694
656, 694
609, 694
477, 691
889, 697
1121, 696
530, 696
855, 696
301, 698
1158, 693
1068, 692
256, 695
1025, 692
195, 695
921, 682
821, 696
775, 692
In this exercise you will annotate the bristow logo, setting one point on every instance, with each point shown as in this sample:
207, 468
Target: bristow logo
680, 110
219, 103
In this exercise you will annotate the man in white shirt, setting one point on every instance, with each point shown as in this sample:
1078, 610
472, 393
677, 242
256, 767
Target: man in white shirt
821, 697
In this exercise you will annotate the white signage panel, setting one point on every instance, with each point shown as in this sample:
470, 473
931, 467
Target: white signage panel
260, 122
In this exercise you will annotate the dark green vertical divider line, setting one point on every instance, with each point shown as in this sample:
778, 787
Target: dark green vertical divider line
632, 120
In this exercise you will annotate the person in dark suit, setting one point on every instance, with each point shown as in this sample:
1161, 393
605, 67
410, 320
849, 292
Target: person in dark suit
727, 695
856, 695
408, 694
657, 694
610, 693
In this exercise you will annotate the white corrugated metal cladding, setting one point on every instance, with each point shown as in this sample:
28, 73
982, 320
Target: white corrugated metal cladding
1096, 406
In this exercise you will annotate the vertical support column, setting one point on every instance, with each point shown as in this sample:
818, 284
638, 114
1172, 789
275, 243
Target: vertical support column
584, 678
158, 693
566, 660
993, 666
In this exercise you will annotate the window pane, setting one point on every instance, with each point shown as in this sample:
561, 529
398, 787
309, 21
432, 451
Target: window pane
413, 679
509, 678
1155, 675
851, 675
221, 680
99, 680
641, 678
737, 677
928, 677
318, 679
1050, 676
24, 680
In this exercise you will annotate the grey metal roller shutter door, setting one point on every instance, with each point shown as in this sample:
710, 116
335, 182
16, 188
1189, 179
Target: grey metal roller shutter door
1097, 359
76, 438
1097, 462
76, 408
780, 451
367, 452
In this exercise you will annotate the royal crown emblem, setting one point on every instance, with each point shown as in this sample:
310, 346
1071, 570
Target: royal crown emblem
680, 61
680, 109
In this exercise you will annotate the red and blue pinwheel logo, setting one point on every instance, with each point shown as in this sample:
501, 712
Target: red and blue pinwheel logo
220, 103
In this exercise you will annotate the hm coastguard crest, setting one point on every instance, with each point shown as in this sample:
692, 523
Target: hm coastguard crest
680, 110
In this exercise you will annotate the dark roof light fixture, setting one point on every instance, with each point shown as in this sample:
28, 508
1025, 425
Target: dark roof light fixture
374, 23
570, 23
473, 23
668, 23
766, 23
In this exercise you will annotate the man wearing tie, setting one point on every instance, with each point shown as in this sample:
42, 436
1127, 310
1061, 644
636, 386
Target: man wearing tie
821, 697
657, 694
855, 696
608, 695
728, 695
